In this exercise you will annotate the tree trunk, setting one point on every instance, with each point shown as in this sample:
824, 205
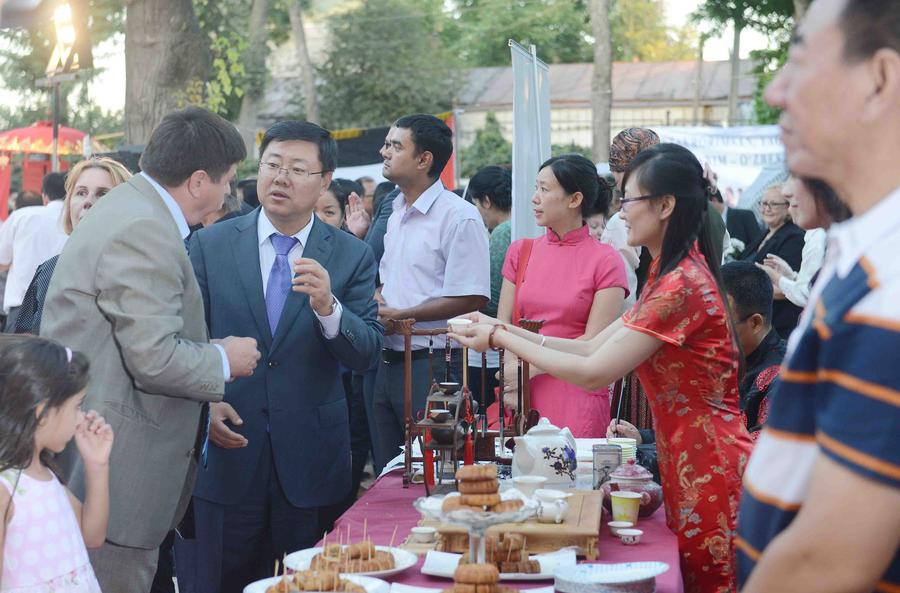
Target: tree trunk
800, 7
307, 70
255, 66
698, 81
601, 80
167, 61
735, 74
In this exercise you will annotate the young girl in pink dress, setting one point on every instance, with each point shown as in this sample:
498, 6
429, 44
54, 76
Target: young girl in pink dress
571, 281
44, 529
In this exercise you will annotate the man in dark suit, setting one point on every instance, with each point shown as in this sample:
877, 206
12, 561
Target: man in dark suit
741, 224
280, 440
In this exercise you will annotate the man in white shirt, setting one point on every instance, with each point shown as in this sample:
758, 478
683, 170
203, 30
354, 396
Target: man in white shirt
435, 266
30, 237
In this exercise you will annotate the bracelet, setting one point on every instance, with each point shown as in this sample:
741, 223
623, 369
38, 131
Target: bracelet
543, 339
491, 335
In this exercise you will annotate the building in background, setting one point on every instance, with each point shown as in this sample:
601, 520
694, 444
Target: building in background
645, 94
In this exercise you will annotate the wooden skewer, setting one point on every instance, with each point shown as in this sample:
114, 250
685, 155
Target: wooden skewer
365, 527
393, 535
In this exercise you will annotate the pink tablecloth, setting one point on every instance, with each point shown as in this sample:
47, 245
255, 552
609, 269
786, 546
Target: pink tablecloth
387, 504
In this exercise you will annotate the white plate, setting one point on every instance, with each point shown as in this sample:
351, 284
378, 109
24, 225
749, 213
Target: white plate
401, 588
402, 560
443, 564
371, 585
611, 574
432, 507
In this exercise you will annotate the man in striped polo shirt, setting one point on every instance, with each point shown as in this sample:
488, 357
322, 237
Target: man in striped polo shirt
821, 505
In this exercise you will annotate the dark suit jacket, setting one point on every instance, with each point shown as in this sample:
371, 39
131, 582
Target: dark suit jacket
786, 243
28, 321
742, 224
296, 390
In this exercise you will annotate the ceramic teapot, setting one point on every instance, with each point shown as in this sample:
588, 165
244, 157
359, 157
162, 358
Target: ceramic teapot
546, 450
634, 478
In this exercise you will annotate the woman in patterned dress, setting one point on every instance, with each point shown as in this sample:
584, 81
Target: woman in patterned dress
679, 340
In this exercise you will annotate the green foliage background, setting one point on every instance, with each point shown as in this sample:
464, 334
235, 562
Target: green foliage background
389, 57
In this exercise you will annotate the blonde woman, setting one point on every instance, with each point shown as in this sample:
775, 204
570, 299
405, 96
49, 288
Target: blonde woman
86, 182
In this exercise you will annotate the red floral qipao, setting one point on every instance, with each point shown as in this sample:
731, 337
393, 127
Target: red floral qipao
702, 442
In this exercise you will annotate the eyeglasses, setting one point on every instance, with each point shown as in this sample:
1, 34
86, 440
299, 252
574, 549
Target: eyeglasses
772, 205
624, 201
273, 169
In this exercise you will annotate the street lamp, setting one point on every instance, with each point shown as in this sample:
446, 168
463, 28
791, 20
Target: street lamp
65, 62
65, 30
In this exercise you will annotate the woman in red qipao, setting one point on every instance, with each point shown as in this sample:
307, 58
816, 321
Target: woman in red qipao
679, 339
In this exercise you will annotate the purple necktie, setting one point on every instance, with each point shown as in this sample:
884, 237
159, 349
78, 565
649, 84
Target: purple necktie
279, 284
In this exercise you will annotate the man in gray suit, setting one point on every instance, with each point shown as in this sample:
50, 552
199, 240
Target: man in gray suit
124, 293
280, 442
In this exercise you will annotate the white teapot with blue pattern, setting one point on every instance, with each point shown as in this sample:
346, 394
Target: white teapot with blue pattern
546, 450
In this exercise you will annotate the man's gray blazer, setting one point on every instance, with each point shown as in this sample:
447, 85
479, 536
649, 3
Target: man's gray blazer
124, 293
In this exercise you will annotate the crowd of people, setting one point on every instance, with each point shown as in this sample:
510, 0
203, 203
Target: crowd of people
213, 371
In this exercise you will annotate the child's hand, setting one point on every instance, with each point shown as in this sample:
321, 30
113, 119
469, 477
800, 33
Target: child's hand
94, 439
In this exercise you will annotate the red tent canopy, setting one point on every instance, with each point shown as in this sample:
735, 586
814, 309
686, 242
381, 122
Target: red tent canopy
36, 142
38, 137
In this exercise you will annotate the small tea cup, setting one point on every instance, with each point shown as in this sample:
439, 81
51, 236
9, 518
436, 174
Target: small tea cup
457, 324
422, 535
616, 526
630, 537
528, 485
625, 505
439, 414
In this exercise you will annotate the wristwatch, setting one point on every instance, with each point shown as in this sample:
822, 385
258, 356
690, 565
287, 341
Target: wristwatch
333, 306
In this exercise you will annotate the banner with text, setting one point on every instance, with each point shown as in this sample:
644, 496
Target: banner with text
737, 155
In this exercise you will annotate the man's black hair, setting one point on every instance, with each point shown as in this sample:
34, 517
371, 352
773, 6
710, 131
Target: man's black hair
750, 289
285, 131
54, 186
432, 135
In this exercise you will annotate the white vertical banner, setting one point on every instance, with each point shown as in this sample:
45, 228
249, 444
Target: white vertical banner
531, 134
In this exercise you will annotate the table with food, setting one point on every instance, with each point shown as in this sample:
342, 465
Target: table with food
569, 515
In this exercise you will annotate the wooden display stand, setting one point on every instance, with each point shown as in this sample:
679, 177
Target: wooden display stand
580, 529
479, 444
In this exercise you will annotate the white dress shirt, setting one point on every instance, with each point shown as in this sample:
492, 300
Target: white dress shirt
184, 230
796, 289
331, 324
435, 248
616, 235
29, 237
